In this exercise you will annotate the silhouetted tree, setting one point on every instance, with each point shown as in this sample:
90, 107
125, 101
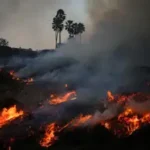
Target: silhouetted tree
58, 25
3, 42
81, 29
61, 16
69, 28
56, 29
75, 29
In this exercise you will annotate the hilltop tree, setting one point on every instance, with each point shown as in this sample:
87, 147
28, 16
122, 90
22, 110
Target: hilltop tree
75, 29
3, 42
81, 29
69, 28
58, 25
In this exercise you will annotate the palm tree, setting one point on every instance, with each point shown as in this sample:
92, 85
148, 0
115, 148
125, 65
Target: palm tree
69, 28
58, 25
55, 26
81, 29
61, 17
75, 29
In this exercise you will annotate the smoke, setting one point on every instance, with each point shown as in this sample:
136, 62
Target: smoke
141, 108
118, 45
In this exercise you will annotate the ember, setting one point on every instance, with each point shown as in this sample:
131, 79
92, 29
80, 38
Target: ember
29, 81
9, 115
15, 77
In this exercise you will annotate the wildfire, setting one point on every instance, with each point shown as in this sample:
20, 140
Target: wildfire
9, 115
49, 137
67, 97
51, 130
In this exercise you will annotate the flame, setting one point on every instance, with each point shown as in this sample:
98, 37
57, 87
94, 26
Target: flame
65, 98
49, 137
14, 77
110, 96
9, 115
129, 121
51, 130
80, 120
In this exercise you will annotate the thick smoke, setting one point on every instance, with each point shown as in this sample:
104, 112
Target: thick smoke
109, 60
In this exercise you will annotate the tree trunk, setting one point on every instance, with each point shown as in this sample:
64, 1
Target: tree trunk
56, 37
80, 39
59, 37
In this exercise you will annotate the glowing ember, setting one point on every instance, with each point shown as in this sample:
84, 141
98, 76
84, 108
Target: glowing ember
14, 77
29, 81
9, 115
67, 97
110, 96
49, 137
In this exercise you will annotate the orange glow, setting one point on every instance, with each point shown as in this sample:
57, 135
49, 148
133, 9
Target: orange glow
9, 115
110, 96
67, 97
81, 120
14, 77
49, 137
29, 81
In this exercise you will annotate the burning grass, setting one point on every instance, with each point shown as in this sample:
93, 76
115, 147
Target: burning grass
56, 100
123, 124
8, 115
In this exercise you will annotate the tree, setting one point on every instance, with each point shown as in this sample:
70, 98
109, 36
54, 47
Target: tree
81, 29
3, 42
69, 28
61, 16
75, 29
58, 25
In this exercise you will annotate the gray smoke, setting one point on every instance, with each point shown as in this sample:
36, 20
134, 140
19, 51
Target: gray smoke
108, 60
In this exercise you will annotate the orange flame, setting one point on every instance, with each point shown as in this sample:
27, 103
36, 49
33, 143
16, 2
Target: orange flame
81, 120
49, 137
110, 96
51, 130
9, 115
65, 98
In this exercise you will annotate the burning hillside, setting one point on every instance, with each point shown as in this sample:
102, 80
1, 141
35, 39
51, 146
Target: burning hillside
127, 118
